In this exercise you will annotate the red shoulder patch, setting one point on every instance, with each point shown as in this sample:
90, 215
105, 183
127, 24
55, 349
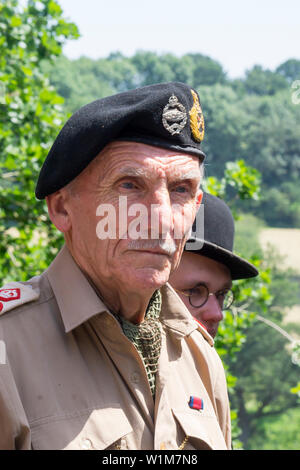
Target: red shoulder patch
9, 294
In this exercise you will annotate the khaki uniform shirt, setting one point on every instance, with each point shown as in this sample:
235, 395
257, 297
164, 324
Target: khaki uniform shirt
71, 379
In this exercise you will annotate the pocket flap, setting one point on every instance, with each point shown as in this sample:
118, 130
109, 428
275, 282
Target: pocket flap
93, 430
202, 426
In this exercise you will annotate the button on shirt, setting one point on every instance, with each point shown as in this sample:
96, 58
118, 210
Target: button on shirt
73, 380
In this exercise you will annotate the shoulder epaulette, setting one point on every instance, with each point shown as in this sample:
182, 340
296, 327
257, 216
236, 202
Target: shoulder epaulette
14, 294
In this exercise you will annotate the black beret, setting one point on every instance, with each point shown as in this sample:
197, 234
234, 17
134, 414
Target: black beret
166, 115
218, 239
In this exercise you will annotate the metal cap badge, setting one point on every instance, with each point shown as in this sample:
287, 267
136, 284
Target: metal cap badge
174, 116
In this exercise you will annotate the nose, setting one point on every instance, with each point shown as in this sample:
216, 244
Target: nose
211, 311
160, 214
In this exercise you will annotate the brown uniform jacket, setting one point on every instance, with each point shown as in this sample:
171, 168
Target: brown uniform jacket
71, 379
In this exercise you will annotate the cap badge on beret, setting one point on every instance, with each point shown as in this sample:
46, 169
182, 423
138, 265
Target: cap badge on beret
174, 116
197, 119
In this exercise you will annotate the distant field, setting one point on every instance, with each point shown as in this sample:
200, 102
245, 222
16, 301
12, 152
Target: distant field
286, 241
292, 315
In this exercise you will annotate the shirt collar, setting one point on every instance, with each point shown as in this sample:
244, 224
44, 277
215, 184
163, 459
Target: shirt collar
76, 298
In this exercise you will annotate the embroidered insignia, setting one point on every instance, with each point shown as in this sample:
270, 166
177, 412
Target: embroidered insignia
16, 294
196, 403
174, 116
196, 119
9, 294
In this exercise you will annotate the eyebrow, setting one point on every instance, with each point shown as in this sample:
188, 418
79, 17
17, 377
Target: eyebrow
137, 172
132, 171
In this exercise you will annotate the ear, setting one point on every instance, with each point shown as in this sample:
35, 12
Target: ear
199, 198
58, 211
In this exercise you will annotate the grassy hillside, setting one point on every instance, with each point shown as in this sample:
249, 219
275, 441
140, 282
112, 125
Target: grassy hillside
287, 243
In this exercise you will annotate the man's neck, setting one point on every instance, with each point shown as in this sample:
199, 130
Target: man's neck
126, 302
130, 305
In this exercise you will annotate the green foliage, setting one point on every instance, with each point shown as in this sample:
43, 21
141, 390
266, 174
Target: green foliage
281, 203
246, 240
30, 114
83, 80
296, 390
263, 82
250, 370
266, 366
239, 179
278, 432
262, 131
290, 70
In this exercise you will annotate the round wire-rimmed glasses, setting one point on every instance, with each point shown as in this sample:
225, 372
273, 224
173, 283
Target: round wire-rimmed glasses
199, 295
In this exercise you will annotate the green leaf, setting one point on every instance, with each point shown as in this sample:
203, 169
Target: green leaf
54, 9
15, 21
26, 70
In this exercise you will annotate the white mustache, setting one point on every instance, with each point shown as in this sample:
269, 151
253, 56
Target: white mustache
168, 246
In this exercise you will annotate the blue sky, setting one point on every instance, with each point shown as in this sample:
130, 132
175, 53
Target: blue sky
237, 33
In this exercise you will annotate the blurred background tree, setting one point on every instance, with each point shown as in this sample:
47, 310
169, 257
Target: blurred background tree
30, 115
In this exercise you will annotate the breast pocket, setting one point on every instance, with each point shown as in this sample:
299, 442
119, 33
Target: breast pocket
89, 430
202, 429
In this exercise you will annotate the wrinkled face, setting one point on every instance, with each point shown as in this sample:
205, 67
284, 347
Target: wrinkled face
128, 209
195, 269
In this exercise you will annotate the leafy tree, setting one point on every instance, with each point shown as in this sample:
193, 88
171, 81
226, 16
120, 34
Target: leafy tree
281, 204
265, 365
263, 82
246, 240
245, 341
224, 124
30, 114
278, 432
261, 131
194, 69
83, 80
205, 70
290, 70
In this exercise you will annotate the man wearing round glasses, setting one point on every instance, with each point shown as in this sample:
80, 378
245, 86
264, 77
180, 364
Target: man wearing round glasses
204, 277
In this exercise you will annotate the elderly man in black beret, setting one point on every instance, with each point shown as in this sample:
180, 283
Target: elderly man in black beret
101, 352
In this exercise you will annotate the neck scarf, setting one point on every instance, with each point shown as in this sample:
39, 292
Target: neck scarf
146, 337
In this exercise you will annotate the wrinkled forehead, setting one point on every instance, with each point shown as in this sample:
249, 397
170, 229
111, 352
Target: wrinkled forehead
196, 268
137, 159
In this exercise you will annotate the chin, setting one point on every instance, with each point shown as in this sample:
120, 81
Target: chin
150, 278
212, 331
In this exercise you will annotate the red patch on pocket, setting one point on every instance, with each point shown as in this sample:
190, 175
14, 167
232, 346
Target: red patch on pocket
1, 306
196, 403
9, 294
